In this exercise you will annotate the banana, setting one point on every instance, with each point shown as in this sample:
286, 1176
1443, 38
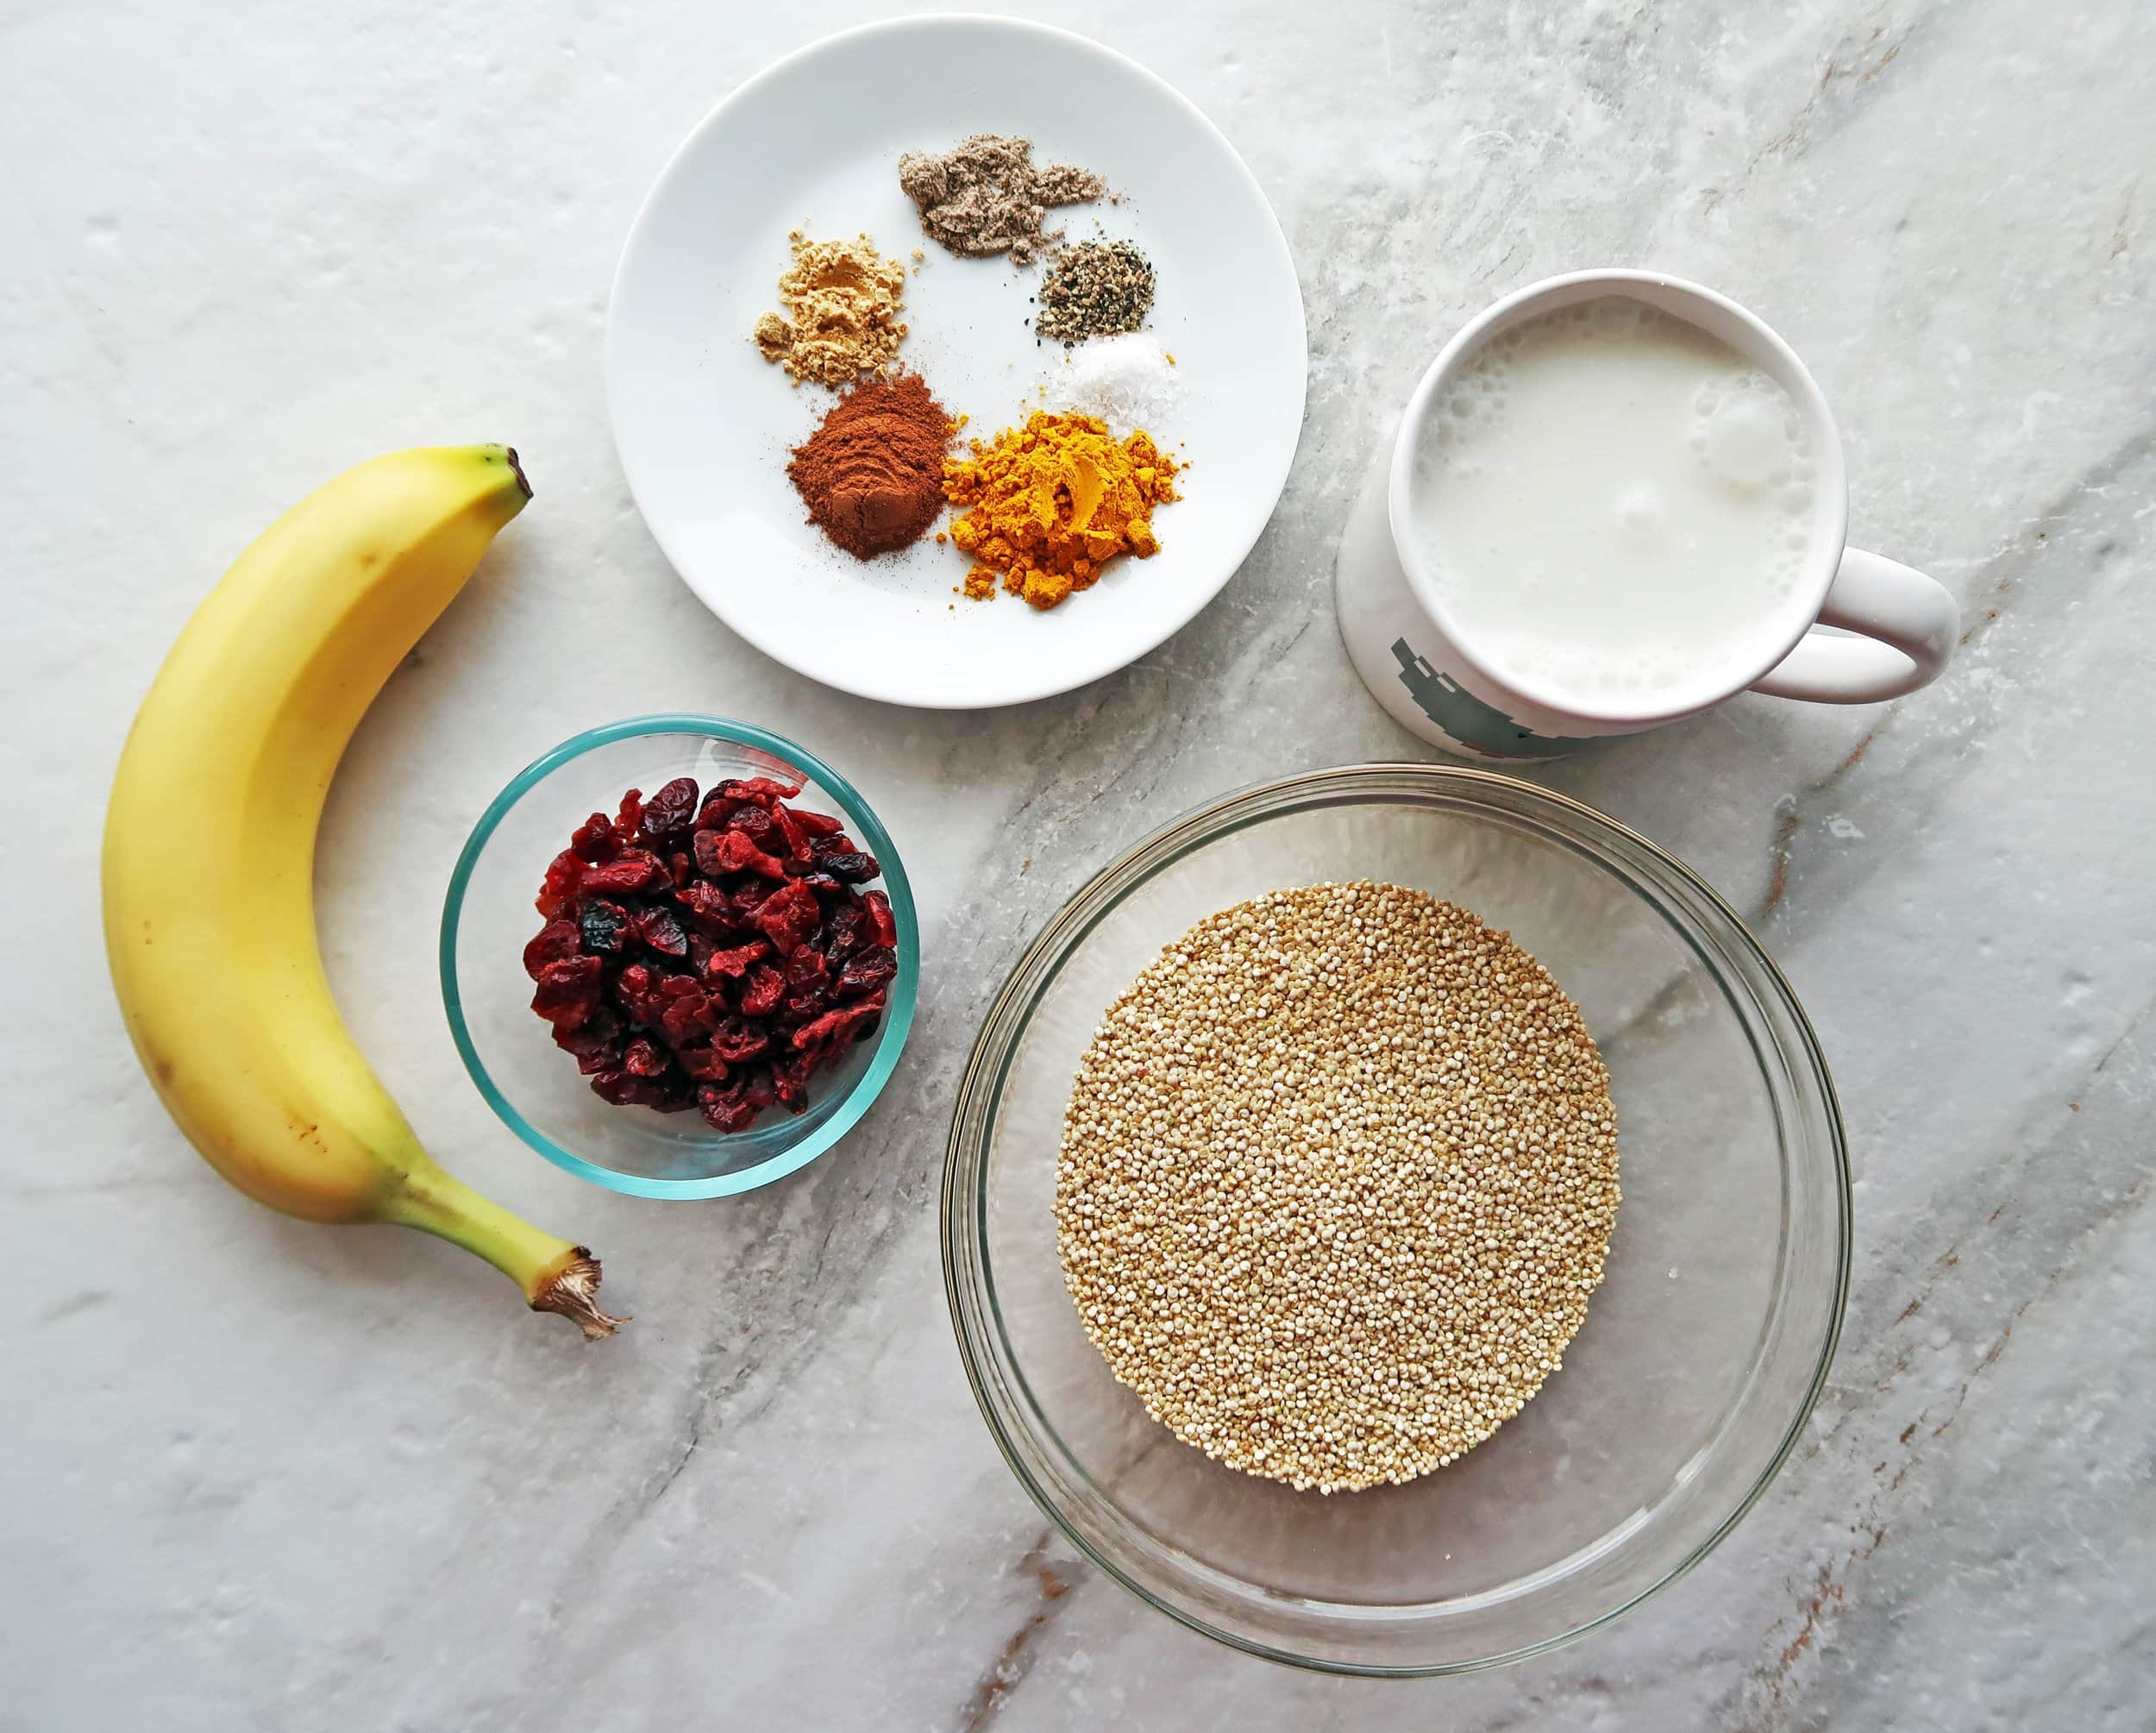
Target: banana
208, 859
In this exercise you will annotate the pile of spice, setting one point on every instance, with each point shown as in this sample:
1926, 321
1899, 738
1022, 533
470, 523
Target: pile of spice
872, 474
986, 196
1337, 1177
712, 955
1047, 504
1094, 289
843, 299
1128, 381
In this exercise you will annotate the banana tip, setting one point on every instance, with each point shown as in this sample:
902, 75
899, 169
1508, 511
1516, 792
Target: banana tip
523, 481
573, 1290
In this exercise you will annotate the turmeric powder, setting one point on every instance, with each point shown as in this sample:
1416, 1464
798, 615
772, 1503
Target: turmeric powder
1047, 504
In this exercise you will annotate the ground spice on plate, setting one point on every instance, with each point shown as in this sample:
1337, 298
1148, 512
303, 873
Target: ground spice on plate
1337, 1177
985, 196
1094, 289
872, 474
843, 299
1049, 504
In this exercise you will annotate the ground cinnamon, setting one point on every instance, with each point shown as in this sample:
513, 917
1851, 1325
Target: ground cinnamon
872, 474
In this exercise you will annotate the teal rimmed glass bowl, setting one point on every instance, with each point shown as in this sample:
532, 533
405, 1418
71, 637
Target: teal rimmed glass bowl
489, 915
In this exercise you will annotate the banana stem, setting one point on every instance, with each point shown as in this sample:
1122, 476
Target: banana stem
556, 1276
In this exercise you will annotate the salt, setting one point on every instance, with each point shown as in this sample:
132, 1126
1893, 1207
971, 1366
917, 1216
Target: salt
1127, 381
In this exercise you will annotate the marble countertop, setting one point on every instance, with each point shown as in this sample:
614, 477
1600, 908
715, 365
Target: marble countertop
268, 1476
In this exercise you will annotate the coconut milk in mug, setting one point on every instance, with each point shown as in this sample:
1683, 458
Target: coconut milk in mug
1614, 500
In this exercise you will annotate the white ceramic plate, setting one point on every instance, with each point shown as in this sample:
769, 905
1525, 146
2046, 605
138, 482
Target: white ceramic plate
704, 425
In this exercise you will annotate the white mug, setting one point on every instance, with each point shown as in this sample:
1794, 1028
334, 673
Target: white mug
1393, 617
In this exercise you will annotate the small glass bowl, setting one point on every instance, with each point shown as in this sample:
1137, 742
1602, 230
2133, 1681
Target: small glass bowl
489, 916
1703, 1351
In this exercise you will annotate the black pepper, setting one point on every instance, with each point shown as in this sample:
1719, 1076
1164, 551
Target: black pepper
1095, 289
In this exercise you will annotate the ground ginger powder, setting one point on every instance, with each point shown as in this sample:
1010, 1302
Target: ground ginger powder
1046, 505
843, 299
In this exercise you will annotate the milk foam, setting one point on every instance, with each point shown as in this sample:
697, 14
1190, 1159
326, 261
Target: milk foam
1618, 507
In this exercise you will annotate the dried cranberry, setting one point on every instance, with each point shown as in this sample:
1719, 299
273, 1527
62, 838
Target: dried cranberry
568, 991
793, 840
564, 884
708, 908
734, 1041
642, 1058
857, 867
756, 825
630, 818
635, 869
604, 925
816, 824
660, 929
757, 1091
823, 885
764, 790
880, 917
718, 807
593, 1043
725, 852
789, 1079
702, 1064
668, 814
807, 983
734, 963
594, 839
873, 968
761, 992
788, 917
555, 942
845, 930
724, 1110
681, 869
686, 1019
834, 1028
624, 1087
636, 991
592, 1055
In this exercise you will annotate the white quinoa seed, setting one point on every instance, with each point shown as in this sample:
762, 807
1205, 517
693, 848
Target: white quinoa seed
1338, 1177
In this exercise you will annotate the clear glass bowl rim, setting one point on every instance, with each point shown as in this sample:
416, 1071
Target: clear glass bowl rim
897, 1017
962, 1215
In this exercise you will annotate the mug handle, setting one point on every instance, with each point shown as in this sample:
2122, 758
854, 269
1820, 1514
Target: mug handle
1909, 625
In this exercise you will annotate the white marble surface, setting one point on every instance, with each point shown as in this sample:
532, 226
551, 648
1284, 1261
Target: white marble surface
267, 1476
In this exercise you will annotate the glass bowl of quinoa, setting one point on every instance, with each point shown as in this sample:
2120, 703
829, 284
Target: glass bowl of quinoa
1281, 1231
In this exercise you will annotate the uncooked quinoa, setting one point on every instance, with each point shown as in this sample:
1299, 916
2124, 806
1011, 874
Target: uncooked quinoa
1337, 1178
